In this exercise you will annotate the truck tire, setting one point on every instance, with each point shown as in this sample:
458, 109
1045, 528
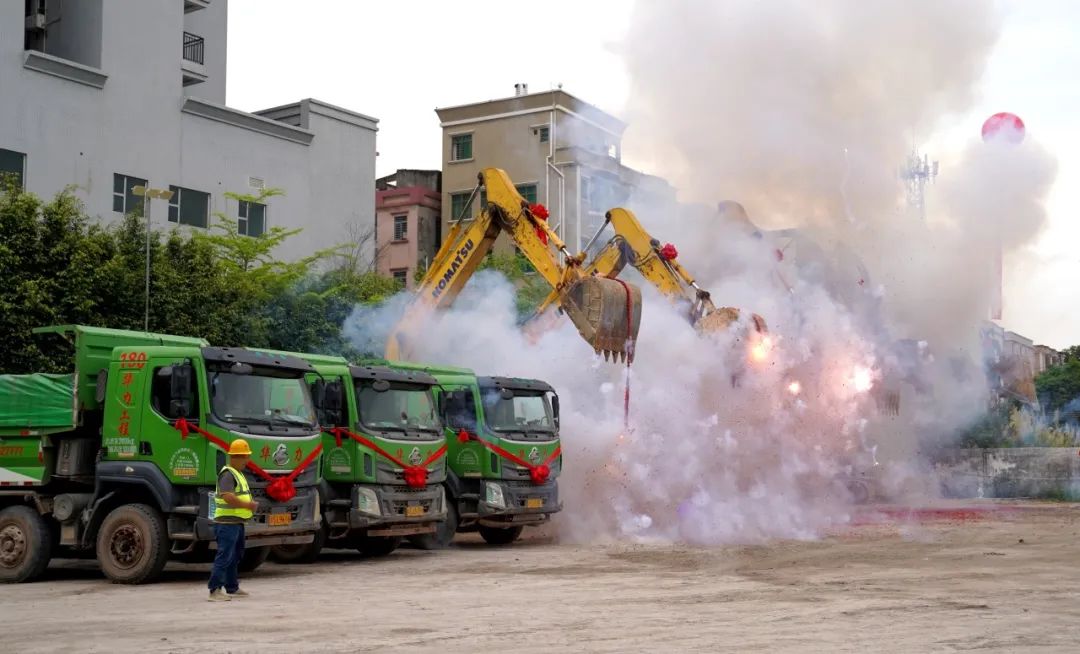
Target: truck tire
375, 546
444, 532
498, 536
306, 553
26, 544
253, 558
133, 544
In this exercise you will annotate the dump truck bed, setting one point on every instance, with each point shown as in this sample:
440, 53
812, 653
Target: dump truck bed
38, 402
93, 351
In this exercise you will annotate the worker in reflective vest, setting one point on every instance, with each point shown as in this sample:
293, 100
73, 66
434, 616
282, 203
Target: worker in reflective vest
233, 506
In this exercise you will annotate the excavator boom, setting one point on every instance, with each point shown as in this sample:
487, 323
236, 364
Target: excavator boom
606, 312
634, 246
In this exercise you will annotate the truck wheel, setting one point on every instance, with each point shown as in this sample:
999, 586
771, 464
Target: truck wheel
133, 544
444, 532
305, 553
26, 544
253, 558
498, 536
379, 546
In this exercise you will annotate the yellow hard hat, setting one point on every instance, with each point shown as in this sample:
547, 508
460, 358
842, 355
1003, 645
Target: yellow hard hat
239, 446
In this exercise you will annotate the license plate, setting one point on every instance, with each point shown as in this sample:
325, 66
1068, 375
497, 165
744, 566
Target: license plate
534, 503
279, 519
413, 511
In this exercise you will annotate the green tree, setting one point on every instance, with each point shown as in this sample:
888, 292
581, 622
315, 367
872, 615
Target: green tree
1059, 385
58, 268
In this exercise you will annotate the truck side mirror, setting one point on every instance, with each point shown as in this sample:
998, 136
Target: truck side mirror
555, 409
181, 388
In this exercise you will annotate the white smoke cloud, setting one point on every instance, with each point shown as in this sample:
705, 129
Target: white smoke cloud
801, 112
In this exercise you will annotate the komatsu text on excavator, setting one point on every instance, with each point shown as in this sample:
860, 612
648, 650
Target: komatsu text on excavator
607, 312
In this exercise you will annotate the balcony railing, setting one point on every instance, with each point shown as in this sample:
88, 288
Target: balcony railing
193, 48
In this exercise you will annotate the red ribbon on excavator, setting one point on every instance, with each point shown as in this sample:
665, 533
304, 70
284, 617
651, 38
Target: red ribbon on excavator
279, 489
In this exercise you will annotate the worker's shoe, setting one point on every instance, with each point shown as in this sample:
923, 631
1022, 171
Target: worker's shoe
219, 595
240, 592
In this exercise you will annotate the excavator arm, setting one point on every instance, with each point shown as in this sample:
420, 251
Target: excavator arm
634, 246
606, 312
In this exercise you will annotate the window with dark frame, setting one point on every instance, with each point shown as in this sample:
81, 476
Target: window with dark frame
401, 227
12, 166
457, 205
124, 199
251, 218
400, 275
545, 134
461, 147
189, 207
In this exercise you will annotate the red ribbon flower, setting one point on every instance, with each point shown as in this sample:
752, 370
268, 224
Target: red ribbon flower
415, 476
540, 212
539, 474
668, 252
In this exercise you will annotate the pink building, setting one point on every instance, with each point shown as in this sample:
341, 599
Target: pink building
408, 208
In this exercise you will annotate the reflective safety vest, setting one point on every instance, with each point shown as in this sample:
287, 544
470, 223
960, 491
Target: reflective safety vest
242, 492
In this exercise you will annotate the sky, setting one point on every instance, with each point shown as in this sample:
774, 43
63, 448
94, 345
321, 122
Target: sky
398, 61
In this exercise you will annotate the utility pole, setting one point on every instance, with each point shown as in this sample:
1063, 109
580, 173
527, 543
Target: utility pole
146, 194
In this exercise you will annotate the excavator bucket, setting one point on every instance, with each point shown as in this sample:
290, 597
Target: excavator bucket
607, 313
721, 318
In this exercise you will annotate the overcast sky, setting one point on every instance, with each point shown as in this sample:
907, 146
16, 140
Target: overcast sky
398, 61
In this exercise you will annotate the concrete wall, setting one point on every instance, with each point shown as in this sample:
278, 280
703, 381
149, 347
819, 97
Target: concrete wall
1010, 472
79, 125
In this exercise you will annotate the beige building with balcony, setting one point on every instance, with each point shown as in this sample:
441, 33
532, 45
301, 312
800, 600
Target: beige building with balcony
558, 149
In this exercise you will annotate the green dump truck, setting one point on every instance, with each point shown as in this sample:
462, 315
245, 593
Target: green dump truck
384, 462
119, 458
504, 455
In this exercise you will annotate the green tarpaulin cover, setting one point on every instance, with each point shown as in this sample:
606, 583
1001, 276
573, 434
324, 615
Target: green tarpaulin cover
37, 400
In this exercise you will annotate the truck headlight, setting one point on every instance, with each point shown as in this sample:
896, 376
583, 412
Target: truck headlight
493, 495
367, 501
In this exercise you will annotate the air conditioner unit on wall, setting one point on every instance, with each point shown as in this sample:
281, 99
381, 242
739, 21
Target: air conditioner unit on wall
35, 21
257, 183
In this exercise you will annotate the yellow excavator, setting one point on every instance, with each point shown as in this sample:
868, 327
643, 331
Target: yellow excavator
659, 265
607, 312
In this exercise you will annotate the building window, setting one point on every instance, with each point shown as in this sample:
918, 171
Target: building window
188, 207
401, 275
251, 218
527, 191
12, 167
124, 200
457, 206
544, 133
461, 147
401, 227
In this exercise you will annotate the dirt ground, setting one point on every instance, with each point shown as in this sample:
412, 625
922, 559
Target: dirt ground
991, 577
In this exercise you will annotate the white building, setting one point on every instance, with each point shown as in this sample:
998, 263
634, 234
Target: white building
109, 94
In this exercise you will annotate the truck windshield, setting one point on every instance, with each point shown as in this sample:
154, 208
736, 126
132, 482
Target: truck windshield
259, 399
526, 411
402, 406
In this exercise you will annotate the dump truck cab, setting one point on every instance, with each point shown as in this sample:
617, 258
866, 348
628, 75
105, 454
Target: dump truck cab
504, 454
381, 428
129, 470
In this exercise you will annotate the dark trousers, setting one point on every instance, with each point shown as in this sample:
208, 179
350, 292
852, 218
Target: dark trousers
230, 549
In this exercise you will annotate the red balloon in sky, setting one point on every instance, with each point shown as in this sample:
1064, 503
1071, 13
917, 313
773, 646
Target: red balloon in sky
1003, 126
